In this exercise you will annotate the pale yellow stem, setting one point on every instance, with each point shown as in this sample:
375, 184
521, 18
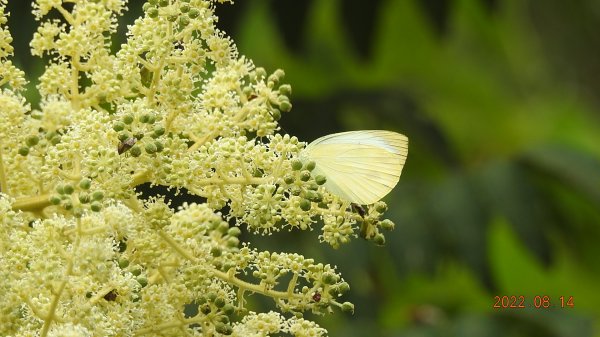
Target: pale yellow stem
51, 316
3, 181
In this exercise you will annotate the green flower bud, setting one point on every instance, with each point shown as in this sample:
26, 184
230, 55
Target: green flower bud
296, 164
159, 146
144, 118
24, 151
312, 186
137, 271
163, 3
184, 8
85, 184
55, 200
158, 131
329, 278
50, 135
153, 2
228, 265
135, 151
205, 309
222, 319
276, 114
379, 239
142, 280
98, 195
305, 175
295, 190
68, 205
343, 287
216, 251
84, 198
272, 79
334, 291
128, 119
234, 231
228, 309
32, 140
261, 72
119, 126
184, 21
348, 307
123, 263
55, 140
313, 196
152, 13
320, 179
219, 302
381, 207
387, 224
305, 205
285, 106
233, 242
288, 179
123, 136
279, 74
224, 329
310, 165
194, 13
68, 189
223, 227
78, 212
285, 89
214, 225
96, 206
150, 148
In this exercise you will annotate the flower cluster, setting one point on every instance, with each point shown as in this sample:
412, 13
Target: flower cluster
81, 254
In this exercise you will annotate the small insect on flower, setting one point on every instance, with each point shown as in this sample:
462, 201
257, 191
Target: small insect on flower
111, 296
125, 145
365, 226
316, 296
360, 166
359, 209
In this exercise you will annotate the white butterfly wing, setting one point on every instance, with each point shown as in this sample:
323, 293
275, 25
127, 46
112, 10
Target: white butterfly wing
360, 166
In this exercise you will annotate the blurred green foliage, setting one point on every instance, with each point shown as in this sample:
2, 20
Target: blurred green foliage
501, 191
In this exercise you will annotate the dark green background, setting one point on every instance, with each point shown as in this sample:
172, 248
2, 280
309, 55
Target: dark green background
500, 194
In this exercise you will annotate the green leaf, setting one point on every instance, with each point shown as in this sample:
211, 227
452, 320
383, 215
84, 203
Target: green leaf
576, 169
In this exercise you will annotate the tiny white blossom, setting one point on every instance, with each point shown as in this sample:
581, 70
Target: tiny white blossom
83, 254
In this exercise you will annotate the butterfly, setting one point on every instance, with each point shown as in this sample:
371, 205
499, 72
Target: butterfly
360, 166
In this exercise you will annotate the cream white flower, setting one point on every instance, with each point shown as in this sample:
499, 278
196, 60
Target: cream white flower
82, 254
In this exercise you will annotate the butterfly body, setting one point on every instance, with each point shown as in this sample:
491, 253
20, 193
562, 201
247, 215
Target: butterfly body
360, 166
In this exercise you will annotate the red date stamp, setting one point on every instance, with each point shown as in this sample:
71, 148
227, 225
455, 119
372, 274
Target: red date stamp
537, 302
